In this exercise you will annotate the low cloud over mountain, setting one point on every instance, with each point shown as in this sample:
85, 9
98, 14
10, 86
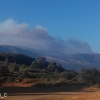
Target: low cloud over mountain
19, 34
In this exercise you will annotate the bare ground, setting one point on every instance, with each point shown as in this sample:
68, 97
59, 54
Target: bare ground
49, 93
57, 96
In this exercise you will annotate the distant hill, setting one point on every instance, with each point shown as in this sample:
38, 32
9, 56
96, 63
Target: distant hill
18, 50
74, 61
78, 61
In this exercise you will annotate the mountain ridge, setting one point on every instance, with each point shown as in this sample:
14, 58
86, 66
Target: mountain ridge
73, 61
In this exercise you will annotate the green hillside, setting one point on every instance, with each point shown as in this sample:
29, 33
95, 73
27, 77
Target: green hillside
21, 68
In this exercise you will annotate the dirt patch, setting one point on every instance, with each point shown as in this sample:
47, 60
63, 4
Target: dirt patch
18, 84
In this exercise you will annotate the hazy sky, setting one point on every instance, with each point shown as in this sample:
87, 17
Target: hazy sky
66, 25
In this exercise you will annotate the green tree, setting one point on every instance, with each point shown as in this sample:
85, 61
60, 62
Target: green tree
4, 70
90, 76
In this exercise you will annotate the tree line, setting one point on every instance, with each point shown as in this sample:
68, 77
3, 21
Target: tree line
18, 67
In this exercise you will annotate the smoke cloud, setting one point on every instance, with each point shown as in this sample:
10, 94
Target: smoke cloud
15, 34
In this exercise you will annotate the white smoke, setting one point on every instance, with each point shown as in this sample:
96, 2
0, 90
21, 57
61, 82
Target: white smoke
15, 34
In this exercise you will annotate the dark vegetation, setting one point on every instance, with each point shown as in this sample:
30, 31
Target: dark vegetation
18, 67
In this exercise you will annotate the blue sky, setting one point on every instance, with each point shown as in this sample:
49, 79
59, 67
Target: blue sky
64, 19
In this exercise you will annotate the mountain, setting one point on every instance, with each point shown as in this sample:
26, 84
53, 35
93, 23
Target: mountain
78, 61
18, 50
74, 61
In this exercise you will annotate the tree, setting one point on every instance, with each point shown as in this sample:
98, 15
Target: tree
14, 68
39, 63
60, 68
4, 70
52, 66
90, 76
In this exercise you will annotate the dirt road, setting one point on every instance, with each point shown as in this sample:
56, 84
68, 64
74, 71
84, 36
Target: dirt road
56, 96
47, 93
